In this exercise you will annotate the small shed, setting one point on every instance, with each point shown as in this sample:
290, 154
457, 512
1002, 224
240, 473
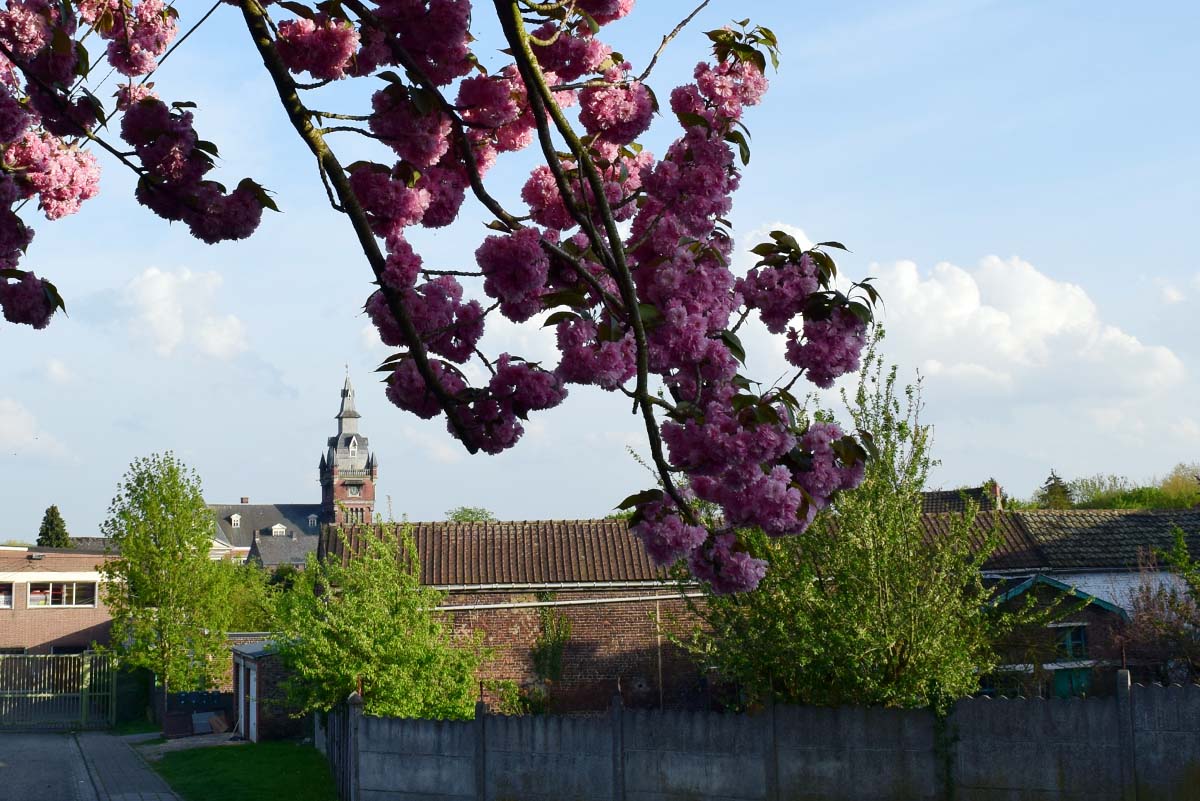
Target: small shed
262, 709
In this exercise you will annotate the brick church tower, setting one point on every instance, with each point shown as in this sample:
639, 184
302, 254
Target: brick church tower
348, 469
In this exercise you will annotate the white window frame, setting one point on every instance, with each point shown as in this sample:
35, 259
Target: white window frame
353, 447
12, 595
235, 521
29, 604
312, 522
278, 530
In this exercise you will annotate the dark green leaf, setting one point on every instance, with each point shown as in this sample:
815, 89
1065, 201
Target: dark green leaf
640, 498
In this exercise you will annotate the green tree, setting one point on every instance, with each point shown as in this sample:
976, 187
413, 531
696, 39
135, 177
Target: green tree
1054, 493
247, 597
53, 533
470, 514
864, 607
372, 621
162, 590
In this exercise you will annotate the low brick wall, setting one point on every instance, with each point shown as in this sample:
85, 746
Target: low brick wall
1142, 744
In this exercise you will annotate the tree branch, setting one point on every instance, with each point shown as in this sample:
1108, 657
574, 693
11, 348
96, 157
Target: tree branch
256, 24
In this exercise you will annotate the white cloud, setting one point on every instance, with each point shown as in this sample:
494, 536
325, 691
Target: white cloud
1006, 325
178, 310
369, 337
57, 372
1170, 294
20, 434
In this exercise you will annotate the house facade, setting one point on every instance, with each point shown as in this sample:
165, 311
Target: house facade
50, 601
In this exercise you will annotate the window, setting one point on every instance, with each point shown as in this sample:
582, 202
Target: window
353, 447
312, 522
6, 596
278, 530
62, 593
236, 521
1072, 642
11, 651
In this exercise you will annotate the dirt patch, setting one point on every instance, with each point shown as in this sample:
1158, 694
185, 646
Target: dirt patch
154, 751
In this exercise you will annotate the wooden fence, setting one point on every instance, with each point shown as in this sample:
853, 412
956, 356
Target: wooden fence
61, 691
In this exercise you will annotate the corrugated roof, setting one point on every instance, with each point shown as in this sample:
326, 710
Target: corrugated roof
521, 552
605, 551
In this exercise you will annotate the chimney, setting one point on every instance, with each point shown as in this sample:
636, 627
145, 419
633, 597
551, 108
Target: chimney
245, 499
997, 496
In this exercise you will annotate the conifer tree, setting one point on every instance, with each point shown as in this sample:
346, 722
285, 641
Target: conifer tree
53, 533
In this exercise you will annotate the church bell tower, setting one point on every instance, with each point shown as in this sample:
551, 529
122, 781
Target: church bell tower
348, 469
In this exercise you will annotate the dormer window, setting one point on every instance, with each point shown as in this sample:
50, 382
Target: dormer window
353, 447
235, 521
278, 530
312, 522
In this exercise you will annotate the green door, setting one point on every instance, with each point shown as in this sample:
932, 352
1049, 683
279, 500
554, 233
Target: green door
1072, 681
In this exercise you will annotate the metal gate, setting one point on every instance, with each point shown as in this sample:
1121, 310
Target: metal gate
60, 691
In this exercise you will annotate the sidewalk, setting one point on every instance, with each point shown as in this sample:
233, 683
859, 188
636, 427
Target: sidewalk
118, 773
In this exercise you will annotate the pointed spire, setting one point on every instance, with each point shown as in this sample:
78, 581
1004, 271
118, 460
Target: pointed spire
347, 415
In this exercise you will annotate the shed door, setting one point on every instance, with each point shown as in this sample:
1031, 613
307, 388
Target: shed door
253, 685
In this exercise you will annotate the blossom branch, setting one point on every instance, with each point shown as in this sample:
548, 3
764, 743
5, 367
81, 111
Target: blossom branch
256, 23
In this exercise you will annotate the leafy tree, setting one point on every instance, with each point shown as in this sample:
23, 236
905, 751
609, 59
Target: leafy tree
1054, 493
247, 602
864, 607
162, 590
1163, 630
469, 514
53, 533
1179, 489
635, 273
371, 621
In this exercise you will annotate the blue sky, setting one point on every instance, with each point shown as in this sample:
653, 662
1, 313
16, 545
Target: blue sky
1022, 178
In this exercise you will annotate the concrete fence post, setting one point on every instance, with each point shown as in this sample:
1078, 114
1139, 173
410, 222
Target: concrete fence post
480, 751
1125, 739
771, 751
354, 713
616, 718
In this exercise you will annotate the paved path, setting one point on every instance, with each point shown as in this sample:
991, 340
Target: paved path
46, 767
118, 773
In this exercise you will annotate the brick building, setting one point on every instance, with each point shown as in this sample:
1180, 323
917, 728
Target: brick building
50, 600
505, 578
284, 534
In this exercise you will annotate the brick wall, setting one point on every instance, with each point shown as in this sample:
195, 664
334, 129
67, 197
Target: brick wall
41, 629
608, 643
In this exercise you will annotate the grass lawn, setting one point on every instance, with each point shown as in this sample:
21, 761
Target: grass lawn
249, 773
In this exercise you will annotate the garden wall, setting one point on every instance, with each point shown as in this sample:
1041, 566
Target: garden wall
1141, 745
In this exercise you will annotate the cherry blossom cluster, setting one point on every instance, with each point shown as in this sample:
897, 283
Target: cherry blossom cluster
728, 443
625, 254
50, 124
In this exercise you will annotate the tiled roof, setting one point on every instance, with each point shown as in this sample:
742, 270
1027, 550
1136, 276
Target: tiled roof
98, 544
605, 551
1087, 538
937, 501
271, 552
522, 552
259, 517
1015, 548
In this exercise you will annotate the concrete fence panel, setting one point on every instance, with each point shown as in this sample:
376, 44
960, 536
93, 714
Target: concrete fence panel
1166, 742
855, 753
681, 756
410, 760
1141, 745
548, 759
1035, 748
